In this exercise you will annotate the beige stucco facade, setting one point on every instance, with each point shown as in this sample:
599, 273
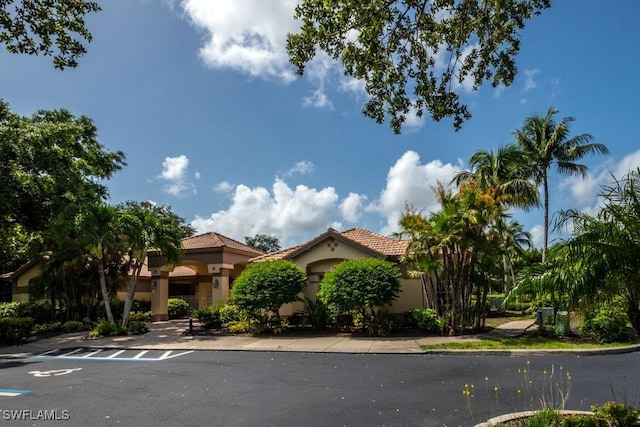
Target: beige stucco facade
331, 248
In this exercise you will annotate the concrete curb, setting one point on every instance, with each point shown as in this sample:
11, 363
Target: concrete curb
524, 414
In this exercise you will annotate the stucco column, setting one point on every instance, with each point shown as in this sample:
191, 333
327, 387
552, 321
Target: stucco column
159, 297
204, 294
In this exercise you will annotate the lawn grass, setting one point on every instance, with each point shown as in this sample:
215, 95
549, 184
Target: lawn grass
524, 343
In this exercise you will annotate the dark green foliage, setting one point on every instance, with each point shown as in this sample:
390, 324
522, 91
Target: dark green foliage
107, 329
230, 313
136, 328
73, 326
614, 414
48, 328
425, 319
140, 316
396, 48
263, 242
380, 322
53, 28
607, 324
178, 308
268, 285
316, 314
210, 317
580, 421
37, 311
356, 285
14, 330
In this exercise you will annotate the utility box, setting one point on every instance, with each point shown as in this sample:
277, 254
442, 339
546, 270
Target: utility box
563, 326
546, 316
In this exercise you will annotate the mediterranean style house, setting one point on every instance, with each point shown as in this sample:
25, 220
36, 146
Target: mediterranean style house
211, 262
321, 254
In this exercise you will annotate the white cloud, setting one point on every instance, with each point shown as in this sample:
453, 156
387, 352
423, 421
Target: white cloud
223, 187
290, 214
245, 35
352, 206
174, 171
303, 167
529, 83
413, 122
537, 235
410, 182
317, 99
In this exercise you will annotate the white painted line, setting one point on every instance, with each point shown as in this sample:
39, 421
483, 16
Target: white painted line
49, 352
7, 392
77, 350
166, 355
117, 353
139, 355
92, 353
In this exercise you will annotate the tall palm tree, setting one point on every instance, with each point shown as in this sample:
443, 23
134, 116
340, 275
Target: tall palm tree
546, 142
147, 227
503, 175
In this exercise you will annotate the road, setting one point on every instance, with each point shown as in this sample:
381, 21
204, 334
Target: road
229, 388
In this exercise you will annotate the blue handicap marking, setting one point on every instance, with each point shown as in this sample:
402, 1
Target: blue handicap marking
9, 392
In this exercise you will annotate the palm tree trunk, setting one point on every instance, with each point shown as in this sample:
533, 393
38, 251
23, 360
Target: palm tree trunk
546, 217
103, 289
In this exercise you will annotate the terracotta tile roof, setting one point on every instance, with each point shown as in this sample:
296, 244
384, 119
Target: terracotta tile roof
281, 254
178, 271
375, 242
215, 240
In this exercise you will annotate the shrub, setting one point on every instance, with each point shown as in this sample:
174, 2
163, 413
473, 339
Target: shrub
39, 312
617, 414
139, 316
178, 308
137, 328
246, 324
48, 328
14, 330
356, 285
425, 319
380, 323
316, 314
230, 313
72, 326
607, 324
140, 305
268, 285
107, 329
210, 317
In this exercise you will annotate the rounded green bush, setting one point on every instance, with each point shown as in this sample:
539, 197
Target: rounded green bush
178, 308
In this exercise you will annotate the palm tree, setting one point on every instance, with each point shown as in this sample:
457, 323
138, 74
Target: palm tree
97, 224
546, 142
148, 227
503, 176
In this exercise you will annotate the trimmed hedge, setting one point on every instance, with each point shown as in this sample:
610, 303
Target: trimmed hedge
14, 330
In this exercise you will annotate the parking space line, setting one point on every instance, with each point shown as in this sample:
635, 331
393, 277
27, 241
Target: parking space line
92, 353
139, 355
77, 350
116, 354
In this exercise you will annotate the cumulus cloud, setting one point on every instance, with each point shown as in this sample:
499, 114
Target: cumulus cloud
245, 35
291, 214
303, 167
174, 172
352, 207
223, 187
537, 235
411, 182
529, 83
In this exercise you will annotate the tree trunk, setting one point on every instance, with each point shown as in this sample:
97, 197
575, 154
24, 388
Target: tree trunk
103, 290
131, 289
545, 242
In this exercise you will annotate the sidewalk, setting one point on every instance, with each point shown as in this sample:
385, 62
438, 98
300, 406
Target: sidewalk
173, 335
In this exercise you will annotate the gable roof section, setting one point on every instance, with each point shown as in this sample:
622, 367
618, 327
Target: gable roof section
376, 244
215, 240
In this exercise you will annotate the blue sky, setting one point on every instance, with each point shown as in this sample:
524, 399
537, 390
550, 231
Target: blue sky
214, 123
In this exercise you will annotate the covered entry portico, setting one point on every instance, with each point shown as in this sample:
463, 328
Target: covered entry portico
210, 263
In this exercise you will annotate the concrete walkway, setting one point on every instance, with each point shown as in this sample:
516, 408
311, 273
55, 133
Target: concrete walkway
173, 335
